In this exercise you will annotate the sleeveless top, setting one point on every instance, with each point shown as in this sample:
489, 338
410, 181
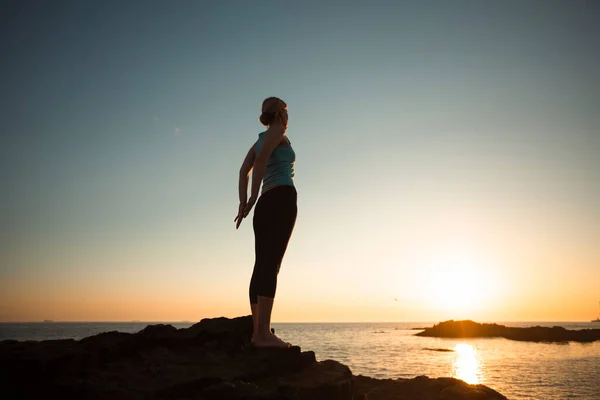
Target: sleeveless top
280, 166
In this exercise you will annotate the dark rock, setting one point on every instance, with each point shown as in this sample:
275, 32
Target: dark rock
239, 328
188, 388
422, 388
437, 349
211, 360
470, 329
157, 332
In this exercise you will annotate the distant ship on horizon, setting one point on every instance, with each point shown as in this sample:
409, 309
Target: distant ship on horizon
597, 319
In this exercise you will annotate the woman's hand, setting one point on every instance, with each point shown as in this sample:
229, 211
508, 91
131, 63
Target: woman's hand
243, 210
240, 215
249, 205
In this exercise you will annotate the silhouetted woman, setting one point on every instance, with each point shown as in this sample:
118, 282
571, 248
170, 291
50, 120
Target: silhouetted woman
271, 160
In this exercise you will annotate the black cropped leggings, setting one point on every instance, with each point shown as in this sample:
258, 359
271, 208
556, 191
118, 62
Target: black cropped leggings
274, 220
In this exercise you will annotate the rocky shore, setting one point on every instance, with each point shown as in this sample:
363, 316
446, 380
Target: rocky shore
470, 329
210, 360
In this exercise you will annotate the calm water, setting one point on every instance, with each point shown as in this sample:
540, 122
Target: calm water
519, 370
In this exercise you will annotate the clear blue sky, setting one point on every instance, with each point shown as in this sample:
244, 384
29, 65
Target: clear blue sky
426, 133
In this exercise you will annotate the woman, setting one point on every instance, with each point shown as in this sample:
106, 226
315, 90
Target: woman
271, 160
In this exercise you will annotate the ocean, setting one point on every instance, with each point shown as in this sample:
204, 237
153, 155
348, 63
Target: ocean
518, 370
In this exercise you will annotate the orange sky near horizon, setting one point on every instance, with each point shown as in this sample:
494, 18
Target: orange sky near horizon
438, 288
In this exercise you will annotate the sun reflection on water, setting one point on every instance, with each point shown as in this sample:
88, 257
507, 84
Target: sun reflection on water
467, 366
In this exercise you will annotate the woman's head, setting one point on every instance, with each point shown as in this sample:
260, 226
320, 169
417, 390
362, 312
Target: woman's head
274, 109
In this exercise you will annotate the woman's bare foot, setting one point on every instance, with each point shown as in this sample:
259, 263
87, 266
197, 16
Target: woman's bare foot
269, 340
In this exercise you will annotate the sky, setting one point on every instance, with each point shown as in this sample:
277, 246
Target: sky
447, 158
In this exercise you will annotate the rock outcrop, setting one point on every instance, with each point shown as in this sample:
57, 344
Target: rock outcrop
211, 360
470, 329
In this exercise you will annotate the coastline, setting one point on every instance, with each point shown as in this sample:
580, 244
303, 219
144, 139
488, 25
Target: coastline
210, 359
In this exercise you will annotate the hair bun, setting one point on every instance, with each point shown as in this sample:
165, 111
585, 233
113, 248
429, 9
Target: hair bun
266, 118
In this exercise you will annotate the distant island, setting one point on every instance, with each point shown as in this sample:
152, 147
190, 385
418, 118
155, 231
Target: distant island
470, 329
212, 359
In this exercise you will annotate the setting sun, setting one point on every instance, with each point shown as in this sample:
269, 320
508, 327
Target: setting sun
455, 290
460, 283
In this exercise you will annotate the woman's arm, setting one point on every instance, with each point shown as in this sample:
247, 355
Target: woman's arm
243, 184
245, 172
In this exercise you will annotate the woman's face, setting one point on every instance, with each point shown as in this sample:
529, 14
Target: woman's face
284, 117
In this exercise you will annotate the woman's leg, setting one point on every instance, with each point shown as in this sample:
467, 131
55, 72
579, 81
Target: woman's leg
261, 242
274, 219
253, 280
254, 309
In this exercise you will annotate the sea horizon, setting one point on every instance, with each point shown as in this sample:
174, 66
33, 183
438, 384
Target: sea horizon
59, 330
298, 322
